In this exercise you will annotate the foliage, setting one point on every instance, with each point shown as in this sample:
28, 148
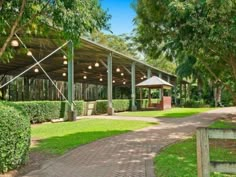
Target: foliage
194, 104
73, 18
204, 30
14, 137
61, 137
42, 111
170, 113
119, 105
120, 43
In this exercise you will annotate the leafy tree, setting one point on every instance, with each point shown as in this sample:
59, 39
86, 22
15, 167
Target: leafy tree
203, 29
72, 17
121, 43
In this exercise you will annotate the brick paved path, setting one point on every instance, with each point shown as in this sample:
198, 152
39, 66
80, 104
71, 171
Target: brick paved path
126, 155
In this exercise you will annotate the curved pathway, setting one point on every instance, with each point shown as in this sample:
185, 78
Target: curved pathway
126, 155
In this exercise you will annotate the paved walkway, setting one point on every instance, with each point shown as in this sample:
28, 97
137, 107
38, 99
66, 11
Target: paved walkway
126, 155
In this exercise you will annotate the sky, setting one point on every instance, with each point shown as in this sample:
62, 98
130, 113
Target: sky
122, 15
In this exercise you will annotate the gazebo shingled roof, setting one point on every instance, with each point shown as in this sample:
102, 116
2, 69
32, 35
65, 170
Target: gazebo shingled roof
154, 82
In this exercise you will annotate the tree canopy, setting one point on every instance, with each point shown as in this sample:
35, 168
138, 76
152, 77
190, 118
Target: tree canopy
204, 30
71, 18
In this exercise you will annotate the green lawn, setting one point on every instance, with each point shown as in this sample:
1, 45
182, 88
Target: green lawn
180, 159
171, 113
58, 138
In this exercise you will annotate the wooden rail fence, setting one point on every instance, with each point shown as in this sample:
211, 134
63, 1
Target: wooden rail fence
205, 166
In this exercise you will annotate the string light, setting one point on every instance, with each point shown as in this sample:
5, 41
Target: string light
118, 70
101, 79
85, 77
64, 74
65, 62
89, 67
122, 74
144, 76
141, 78
124, 82
113, 81
14, 43
64, 57
29, 53
36, 70
96, 64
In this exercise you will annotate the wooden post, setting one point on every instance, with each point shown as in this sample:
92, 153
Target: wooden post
141, 97
149, 97
203, 159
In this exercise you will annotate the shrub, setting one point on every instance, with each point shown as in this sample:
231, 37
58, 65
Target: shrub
120, 105
42, 111
194, 104
14, 137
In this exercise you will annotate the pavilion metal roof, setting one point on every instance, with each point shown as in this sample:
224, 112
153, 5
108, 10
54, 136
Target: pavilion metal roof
87, 53
154, 82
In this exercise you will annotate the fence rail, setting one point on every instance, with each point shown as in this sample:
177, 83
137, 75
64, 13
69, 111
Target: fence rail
205, 166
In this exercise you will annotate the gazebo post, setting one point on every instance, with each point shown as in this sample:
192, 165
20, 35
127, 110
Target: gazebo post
141, 97
110, 110
133, 94
71, 112
160, 90
149, 97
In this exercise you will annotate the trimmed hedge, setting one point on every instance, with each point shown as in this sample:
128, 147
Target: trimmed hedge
195, 104
42, 111
14, 137
119, 105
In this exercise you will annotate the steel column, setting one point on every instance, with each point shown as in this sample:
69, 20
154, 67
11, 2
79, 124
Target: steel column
110, 110
133, 94
70, 56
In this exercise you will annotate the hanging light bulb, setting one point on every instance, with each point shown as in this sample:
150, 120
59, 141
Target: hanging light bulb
89, 67
14, 43
113, 81
124, 82
122, 74
141, 78
36, 70
100, 79
65, 62
96, 64
29, 53
64, 57
144, 76
64, 74
118, 70
85, 77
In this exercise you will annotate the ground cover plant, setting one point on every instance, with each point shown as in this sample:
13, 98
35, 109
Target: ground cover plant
171, 113
61, 137
180, 159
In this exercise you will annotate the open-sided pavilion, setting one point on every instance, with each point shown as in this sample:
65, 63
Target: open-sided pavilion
88, 62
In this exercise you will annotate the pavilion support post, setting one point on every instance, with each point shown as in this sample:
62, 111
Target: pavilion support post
110, 110
160, 90
133, 94
141, 97
149, 73
71, 112
149, 98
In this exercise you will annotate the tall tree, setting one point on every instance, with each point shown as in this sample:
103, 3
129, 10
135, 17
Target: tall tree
203, 29
71, 17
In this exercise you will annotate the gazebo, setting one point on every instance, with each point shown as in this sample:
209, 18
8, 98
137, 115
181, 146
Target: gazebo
157, 83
